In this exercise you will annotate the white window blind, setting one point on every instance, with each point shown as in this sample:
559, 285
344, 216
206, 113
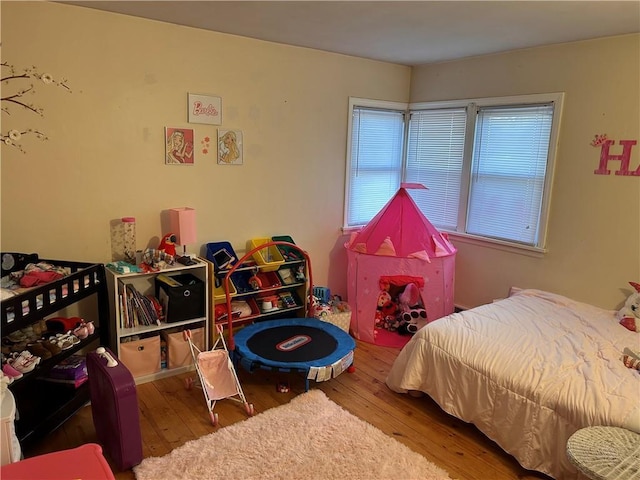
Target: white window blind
435, 150
509, 166
487, 163
376, 162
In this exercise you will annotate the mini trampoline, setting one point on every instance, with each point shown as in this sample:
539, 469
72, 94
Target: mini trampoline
317, 349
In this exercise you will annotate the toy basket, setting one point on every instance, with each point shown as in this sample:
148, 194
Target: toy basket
269, 258
341, 319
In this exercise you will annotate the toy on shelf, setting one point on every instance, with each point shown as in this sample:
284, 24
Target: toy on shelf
168, 244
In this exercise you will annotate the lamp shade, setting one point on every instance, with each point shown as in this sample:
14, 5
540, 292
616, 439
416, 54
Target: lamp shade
183, 224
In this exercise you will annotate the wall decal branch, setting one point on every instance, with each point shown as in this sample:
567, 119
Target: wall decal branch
18, 99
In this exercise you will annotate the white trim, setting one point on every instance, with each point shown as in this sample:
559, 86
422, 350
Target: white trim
497, 244
543, 222
491, 101
384, 104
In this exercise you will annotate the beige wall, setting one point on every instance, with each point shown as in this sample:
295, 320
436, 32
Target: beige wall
130, 78
594, 229
105, 155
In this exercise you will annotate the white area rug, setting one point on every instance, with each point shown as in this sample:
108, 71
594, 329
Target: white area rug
309, 438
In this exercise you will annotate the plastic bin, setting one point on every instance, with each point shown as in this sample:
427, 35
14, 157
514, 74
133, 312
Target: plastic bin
289, 254
270, 258
323, 294
269, 280
241, 281
218, 291
222, 255
241, 309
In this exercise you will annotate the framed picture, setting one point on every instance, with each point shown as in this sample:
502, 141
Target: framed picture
178, 146
204, 109
230, 147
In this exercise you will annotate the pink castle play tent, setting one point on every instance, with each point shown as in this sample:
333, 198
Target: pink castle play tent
398, 247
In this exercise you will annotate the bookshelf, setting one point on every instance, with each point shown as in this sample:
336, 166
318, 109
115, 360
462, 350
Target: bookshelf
132, 311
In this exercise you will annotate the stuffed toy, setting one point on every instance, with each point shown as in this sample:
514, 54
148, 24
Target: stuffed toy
383, 298
631, 359
386, 312
154, 260
411, 309
319, 308
629, 315
168, 244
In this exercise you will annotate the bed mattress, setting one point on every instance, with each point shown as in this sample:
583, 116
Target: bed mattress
528, 371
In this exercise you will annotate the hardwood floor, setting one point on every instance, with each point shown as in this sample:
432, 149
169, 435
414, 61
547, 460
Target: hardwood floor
171, 415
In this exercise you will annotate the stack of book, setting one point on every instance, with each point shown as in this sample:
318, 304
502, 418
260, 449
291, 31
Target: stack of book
136, 309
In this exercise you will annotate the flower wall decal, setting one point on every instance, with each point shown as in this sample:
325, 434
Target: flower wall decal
16, 98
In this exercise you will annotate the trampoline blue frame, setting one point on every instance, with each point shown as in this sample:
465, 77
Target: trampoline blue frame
250, 360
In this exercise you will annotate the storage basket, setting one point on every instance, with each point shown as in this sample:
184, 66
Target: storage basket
183, 302
221, 253
342, 319
218, 291
178, 352
268, 258
288, 253
141, 357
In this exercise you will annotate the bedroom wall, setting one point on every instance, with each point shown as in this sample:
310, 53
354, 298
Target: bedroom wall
129, 78
594, 231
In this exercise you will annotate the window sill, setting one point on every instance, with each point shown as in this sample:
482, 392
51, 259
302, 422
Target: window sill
350, 230
497, 244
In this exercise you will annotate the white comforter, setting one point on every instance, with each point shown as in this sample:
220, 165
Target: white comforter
528, 371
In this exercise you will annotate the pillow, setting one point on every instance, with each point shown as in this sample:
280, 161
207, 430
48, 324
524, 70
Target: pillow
629, 314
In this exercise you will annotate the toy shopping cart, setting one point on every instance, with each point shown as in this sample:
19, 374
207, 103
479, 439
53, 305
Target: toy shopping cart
216, 375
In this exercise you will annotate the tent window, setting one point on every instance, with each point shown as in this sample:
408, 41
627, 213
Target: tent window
488, 164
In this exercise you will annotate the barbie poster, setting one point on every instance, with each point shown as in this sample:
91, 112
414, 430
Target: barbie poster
230, 147
179, 146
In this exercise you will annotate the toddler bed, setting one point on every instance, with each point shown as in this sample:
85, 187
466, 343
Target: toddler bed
23, 303
44, 405
528, 371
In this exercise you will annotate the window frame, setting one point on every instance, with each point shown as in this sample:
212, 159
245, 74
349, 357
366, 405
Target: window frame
471, 106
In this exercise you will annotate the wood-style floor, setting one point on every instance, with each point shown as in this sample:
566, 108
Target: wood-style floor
171, 415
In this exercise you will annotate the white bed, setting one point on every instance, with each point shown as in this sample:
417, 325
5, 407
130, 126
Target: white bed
528, 371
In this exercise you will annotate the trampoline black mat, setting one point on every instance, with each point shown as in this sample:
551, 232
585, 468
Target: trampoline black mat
292, 343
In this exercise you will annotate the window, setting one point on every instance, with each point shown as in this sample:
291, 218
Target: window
434, 158
375, 169
488, 164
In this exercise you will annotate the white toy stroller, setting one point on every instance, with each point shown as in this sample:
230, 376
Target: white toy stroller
216, 374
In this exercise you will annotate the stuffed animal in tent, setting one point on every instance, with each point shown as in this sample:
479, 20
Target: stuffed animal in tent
386, 311
168, 244
411, 309
629, 315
